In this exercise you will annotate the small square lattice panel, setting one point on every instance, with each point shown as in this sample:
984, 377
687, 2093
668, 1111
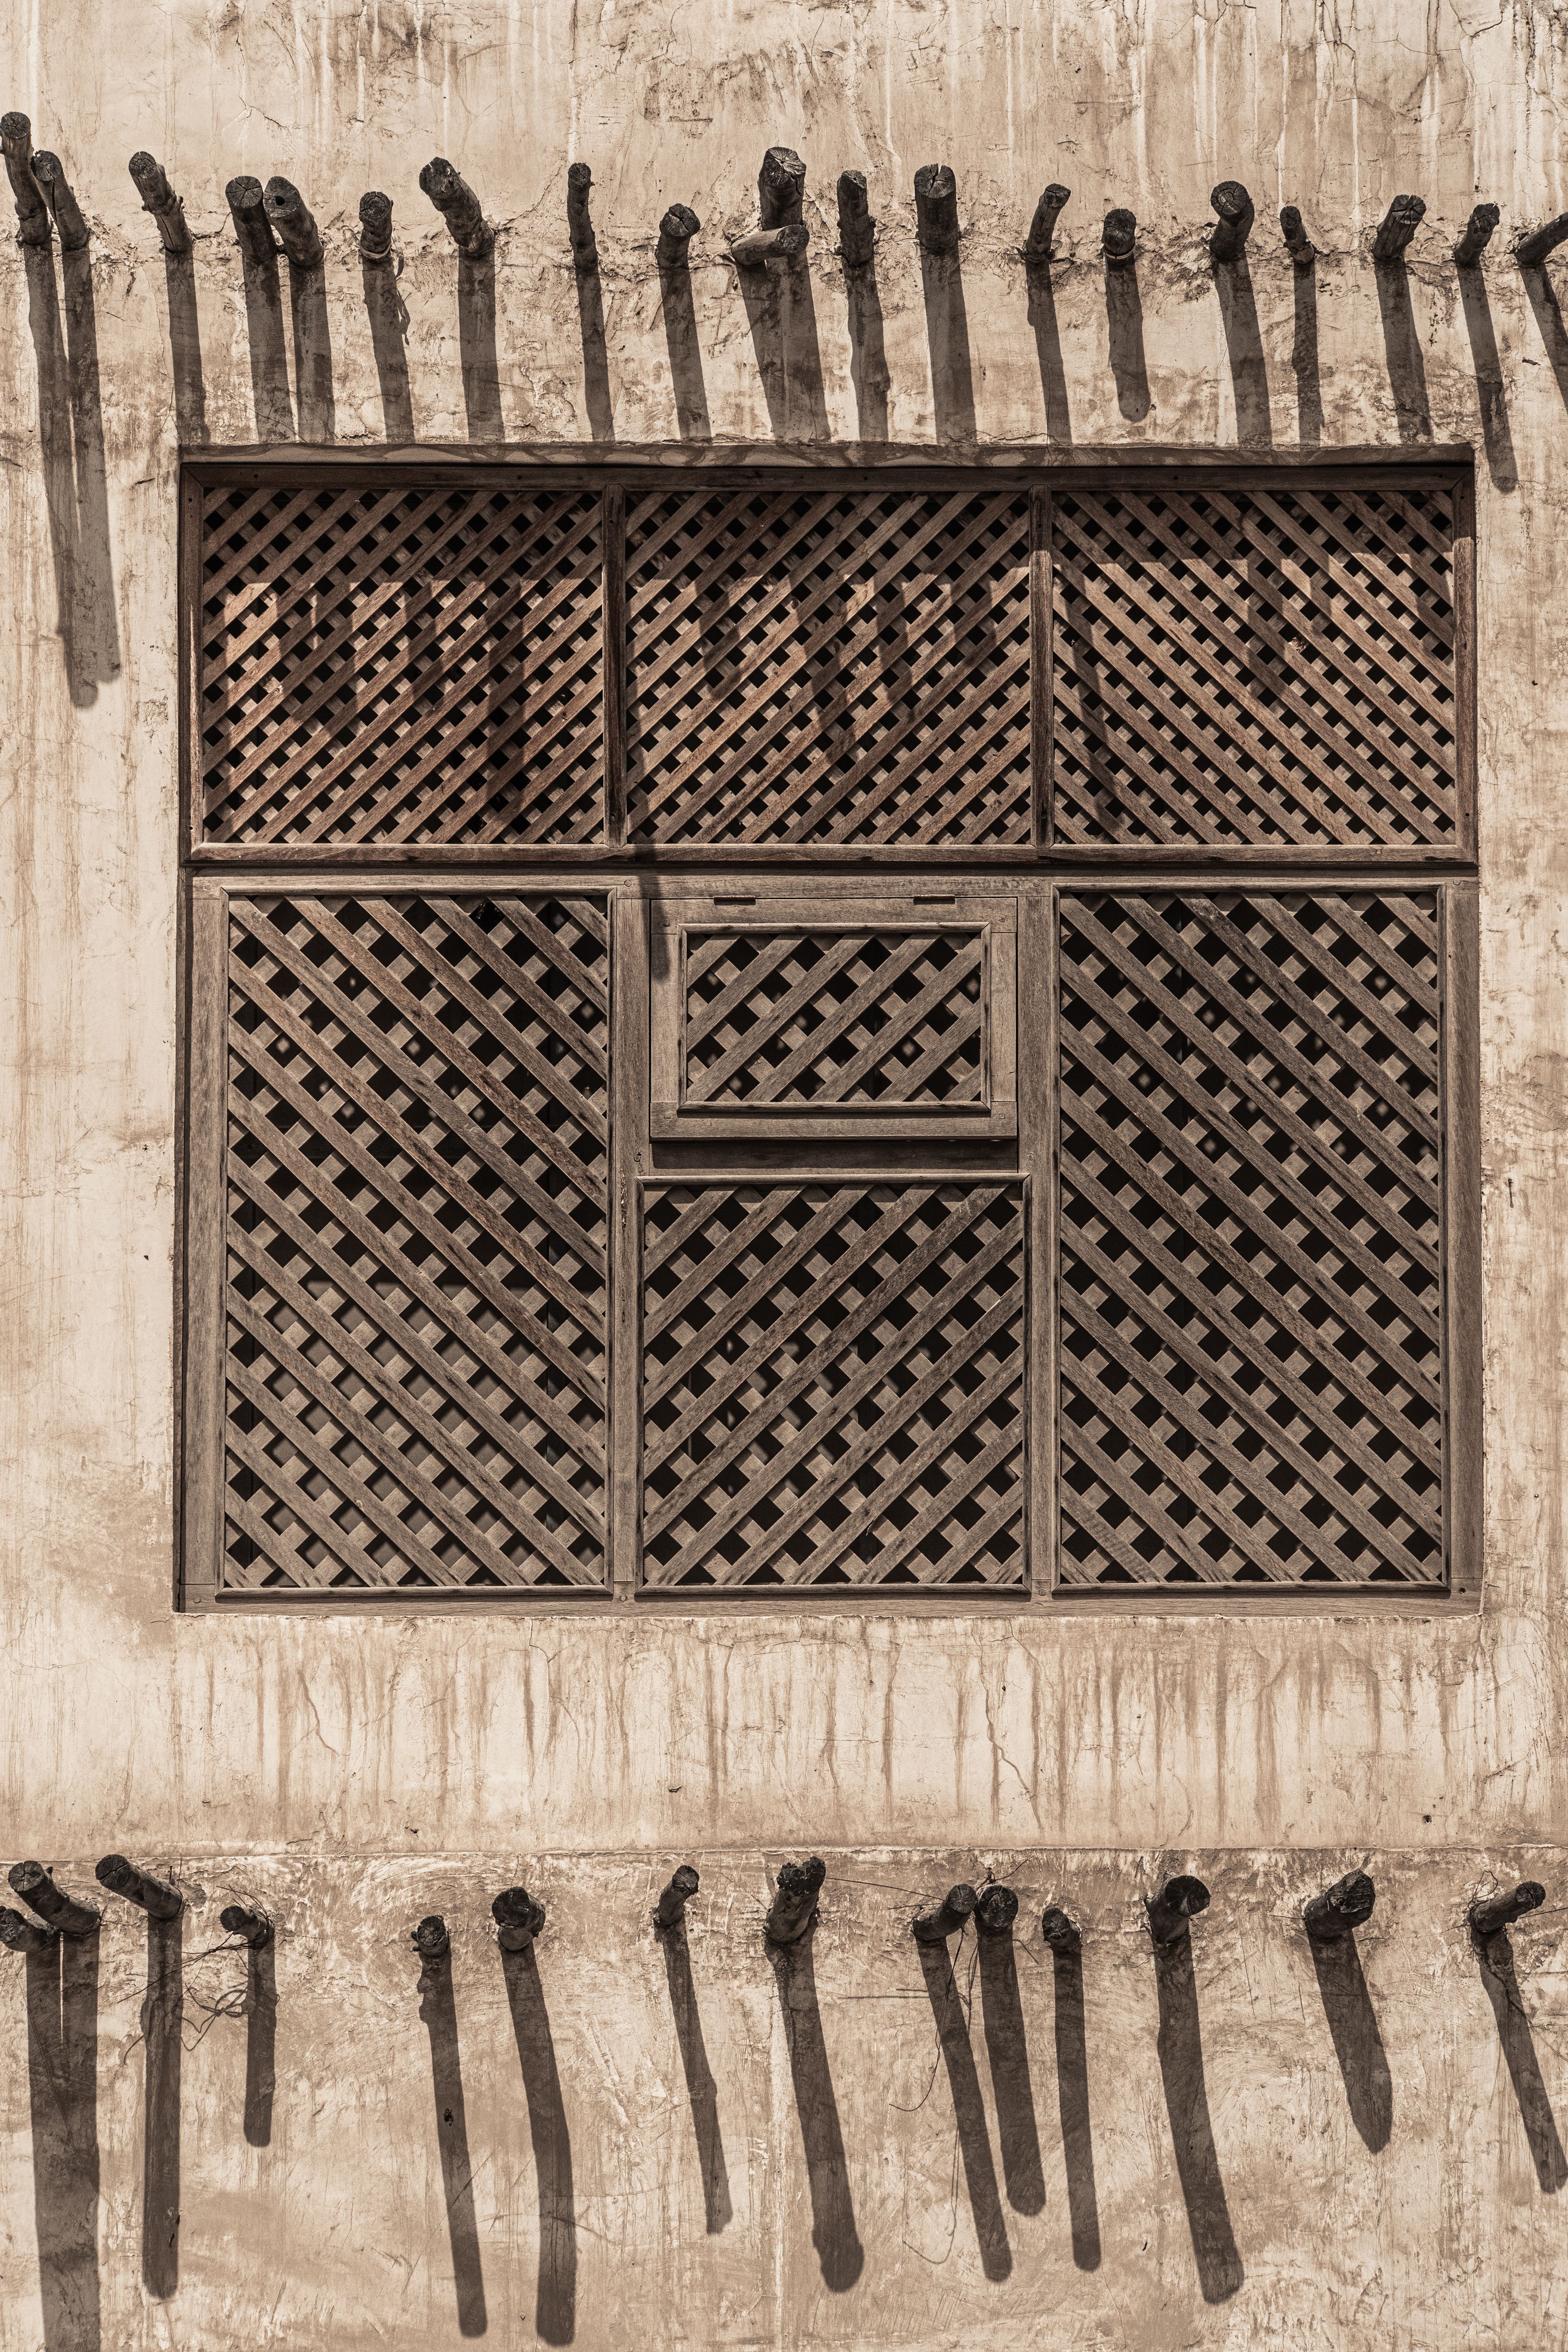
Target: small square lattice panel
828, 1018
1254, 666
833, 1384
828, 667
414, 1298
401, 665
1249, 1294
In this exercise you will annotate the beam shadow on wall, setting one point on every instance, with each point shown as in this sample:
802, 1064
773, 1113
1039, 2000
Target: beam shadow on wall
388, 316
1358, 2043
1124, 318
679, 311
595, 356
1007, 2053
313, 355
833, 2234
260, 2042
162, 2019
476, 347
76, 493
867, 352
1304, 363
968, 2110
555, 2302
1072, 2107
1406, 369
1244, 346
185, 348
1181, 2056
1499, 1980
947, 334
1549, 319
270, 398
701, 2089
1496, 435
781, 314
62, 2088
1048, 350
439, 2010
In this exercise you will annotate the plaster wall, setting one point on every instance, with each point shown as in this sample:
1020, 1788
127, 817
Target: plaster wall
355, 1772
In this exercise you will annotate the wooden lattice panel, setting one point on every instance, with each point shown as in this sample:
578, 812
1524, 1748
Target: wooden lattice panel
415, 1285
1250, 1359
396, 663
830, 1017
833, 1384
828, 668
1261, 666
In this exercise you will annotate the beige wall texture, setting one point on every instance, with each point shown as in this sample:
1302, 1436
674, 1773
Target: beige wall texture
1364, 2157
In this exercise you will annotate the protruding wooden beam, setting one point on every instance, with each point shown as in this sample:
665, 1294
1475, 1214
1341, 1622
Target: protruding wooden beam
670, 1908
37, 1890
252, 1927
72, 228
374, 226
1227, 238
578, 228
754, 246
1173, 1909
676, 231
1297, 243
780, 188
291, 217
1400, 223
936, 208
248, 210
1059, 1932
1478, 233
430, 1939
1339, 1909
857, 229
31, 212
935, 1927
794, 1907
996, 1910
1119, 237
460, 208
159, 199
1530, 252
1489, 1918
19, 1935
1042, 234
518, 1918
153, 1895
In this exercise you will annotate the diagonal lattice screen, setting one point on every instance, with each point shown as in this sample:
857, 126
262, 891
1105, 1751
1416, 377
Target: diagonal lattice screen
1248, 1302
397, 664
1261, 665
415, 1301
834, 1016
833, 1384
828, 668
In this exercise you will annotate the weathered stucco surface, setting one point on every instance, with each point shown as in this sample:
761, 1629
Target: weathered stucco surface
356, 1772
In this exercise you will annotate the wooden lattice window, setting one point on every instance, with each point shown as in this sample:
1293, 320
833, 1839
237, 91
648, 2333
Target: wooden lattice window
901, 1030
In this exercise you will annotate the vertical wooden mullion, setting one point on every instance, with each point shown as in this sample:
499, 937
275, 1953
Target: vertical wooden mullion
1037, 1032
1463, 1421
1465, 651
1042, 708
613, 556
203, 1401
189, 642
629, 1163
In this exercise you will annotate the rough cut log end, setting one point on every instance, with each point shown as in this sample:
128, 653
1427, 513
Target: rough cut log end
1400, 223
1177, 1904
671, 1905
32, 1881
459, 207
936, 208
430, 1939
1489, 1918
956, 1906
996, 1910
518, 1917
159, 199
291, 218
781, 187
1043, 227
1058, 1931
1345, 1905
757, 245
1119, 236
1531, 250
253, 1927
580, 228
19, 1935
248, 212
1297, 243
149, 1894
375, 225
793, 1907
676, 231
857, 229
1479, 233
31, 212
50, 174
1228, 238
